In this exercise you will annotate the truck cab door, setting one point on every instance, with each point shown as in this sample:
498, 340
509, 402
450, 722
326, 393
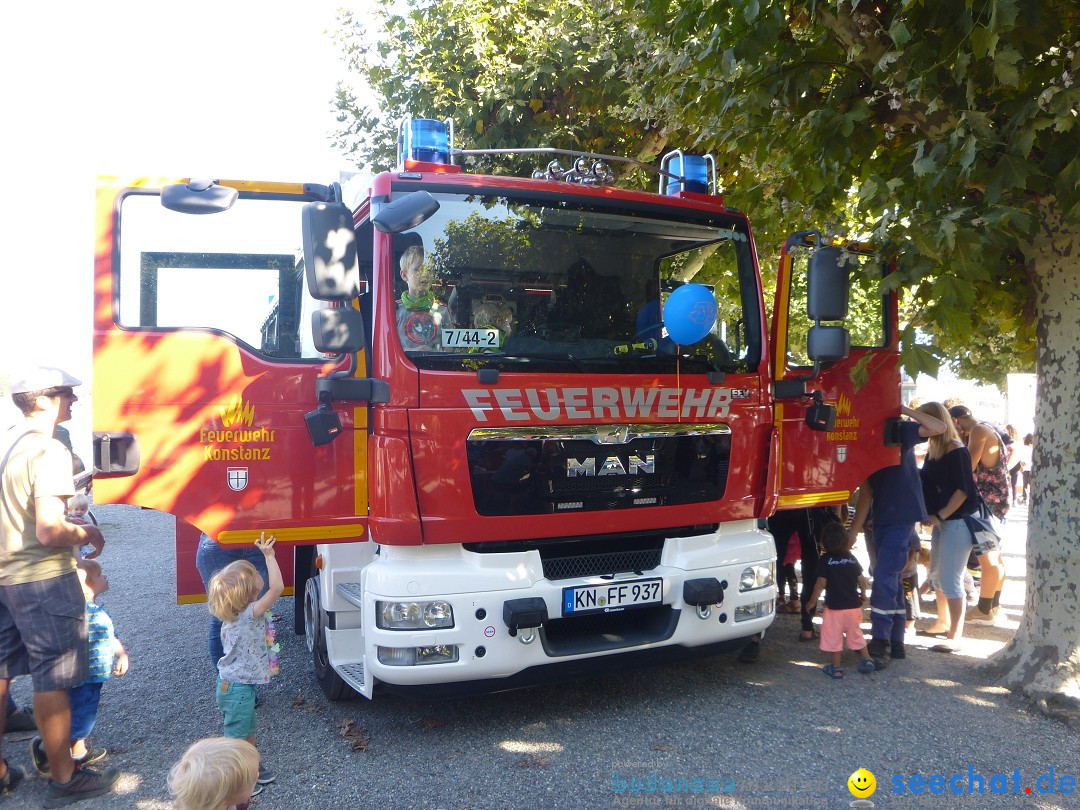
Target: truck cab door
833, 418
205, 364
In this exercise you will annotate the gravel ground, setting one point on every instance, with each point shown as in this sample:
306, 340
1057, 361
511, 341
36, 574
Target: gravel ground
566, 746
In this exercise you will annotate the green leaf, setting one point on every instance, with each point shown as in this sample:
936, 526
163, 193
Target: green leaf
983, 41
1005, 66
899, 33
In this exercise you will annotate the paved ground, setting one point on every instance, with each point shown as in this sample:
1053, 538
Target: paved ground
716, 733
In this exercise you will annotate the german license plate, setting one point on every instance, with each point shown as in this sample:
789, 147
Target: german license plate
612, 596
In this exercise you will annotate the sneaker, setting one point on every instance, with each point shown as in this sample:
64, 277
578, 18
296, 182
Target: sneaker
91, 756
11, 779
896, 650
976, 616
85, 783
39, 757
266, 776
20, 720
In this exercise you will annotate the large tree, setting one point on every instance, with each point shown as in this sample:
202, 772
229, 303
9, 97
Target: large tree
951, 126
517, 73
948, 131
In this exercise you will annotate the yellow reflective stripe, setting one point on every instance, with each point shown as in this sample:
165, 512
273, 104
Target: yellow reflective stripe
360, 442
196, 598
249, 536
239, 185
784, 293
813, 498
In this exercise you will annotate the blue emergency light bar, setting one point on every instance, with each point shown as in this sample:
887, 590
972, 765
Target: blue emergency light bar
425, 140
692, 173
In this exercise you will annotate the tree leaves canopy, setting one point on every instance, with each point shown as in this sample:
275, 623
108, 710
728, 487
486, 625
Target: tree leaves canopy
938, 126
936, 129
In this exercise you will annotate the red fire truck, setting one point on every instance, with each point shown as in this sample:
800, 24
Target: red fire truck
508, 429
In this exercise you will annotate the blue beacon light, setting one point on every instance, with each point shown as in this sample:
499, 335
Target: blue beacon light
692, 172
424, 140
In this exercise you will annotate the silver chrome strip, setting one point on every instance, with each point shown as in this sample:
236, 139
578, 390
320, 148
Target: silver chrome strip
598, 434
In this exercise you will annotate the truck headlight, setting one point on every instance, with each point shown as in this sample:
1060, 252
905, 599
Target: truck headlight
414, 656
761, 575
436, 615
757, 610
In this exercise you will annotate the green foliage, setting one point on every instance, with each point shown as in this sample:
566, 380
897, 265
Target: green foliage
950, 120
933, 129
517, 73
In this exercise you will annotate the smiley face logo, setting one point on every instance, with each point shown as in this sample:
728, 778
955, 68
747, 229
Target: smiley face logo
862, 783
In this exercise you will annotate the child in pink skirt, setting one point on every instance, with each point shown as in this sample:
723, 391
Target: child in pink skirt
841, 577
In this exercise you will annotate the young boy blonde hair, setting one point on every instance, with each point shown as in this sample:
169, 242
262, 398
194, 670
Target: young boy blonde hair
214, 773
232, 589
78, 505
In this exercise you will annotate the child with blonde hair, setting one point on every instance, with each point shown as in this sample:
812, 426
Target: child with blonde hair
247, 637
215, 774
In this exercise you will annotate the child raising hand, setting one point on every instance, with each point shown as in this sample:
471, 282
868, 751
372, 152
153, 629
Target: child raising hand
247, 637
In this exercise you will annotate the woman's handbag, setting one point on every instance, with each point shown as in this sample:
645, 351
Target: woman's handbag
983, 531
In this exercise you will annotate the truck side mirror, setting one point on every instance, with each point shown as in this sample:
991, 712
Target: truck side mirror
337, 331
826, 344
405, 213
827, 283
330, 265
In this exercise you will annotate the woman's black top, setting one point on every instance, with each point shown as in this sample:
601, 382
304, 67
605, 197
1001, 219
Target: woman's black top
941, 477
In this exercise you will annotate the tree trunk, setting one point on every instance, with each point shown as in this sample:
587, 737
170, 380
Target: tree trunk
1043, 658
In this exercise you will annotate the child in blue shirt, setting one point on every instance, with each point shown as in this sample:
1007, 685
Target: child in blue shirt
107, 658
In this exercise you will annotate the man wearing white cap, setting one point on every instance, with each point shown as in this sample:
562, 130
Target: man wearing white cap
42, 608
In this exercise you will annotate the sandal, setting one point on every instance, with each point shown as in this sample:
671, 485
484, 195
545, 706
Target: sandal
866, 666
836, 673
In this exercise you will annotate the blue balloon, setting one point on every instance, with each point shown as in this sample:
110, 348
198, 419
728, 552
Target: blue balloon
689, 314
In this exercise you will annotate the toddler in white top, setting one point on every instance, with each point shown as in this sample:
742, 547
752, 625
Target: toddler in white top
247, 637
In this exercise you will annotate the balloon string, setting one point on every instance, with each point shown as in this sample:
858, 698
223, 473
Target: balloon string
678, 380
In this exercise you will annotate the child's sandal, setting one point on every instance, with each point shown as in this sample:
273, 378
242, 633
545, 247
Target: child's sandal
867, 665
836, 673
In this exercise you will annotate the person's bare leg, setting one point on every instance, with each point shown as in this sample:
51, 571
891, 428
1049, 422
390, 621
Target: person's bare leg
78, 749
53, 715
956, 620
993, 574
5, 683
942, 624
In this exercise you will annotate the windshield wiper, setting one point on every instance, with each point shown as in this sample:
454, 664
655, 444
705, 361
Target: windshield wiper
558, 357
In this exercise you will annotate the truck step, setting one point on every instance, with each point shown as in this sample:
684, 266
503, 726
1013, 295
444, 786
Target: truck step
351, 592
353, 675
345, 649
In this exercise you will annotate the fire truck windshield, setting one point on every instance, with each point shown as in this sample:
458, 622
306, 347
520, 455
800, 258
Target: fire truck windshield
551, 285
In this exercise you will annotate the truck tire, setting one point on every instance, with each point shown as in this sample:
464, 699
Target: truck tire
303, 567
315, 624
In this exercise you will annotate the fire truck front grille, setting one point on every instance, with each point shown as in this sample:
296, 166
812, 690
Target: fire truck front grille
591, 565
598, 632
602, 485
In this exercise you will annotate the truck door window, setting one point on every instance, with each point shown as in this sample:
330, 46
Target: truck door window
562, 286
239, 272
866, 309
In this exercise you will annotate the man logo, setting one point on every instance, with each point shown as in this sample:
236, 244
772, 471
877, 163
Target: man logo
612, 465
237, 478
841, 453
